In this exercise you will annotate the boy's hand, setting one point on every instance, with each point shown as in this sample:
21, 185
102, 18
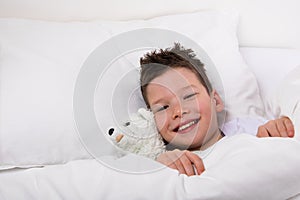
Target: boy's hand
282, 127
185, 162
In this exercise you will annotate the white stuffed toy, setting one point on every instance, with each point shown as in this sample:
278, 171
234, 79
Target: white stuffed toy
139, 135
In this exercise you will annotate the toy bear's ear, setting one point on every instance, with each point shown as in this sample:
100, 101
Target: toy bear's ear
127, 124
111, 131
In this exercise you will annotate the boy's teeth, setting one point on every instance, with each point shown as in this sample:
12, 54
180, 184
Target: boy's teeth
186, 125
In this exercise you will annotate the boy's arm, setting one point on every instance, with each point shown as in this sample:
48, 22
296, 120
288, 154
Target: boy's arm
281, 127
185, 162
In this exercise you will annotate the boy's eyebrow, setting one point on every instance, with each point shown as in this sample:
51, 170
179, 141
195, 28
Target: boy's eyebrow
188, 87
181, 89
157, 101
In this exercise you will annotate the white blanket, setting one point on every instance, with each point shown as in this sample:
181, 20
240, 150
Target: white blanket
238, 167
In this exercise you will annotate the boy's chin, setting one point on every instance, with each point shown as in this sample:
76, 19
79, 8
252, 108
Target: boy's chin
182, 147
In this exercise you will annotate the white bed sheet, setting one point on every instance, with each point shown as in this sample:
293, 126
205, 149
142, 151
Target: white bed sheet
238, 167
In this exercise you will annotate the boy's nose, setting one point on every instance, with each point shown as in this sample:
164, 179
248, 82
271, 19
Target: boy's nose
179, 112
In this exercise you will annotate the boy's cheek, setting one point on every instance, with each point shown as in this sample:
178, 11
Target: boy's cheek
194, 105
161, 121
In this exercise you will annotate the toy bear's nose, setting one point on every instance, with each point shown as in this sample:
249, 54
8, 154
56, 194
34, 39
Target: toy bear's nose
111, 131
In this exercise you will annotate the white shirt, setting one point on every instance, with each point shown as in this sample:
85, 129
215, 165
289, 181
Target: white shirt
240, 125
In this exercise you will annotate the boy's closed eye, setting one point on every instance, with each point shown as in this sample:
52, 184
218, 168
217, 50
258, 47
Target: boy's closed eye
189, 96
160, 108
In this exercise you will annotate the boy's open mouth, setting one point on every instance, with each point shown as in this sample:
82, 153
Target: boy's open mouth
185, 126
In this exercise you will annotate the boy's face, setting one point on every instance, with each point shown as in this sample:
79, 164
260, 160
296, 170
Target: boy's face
184, 112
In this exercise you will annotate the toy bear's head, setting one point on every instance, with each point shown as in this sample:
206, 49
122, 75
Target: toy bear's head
139, 135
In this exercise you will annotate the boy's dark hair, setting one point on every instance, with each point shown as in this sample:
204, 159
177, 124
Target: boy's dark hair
156, 63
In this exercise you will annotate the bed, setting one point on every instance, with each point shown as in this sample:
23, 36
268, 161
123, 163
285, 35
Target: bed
69, 73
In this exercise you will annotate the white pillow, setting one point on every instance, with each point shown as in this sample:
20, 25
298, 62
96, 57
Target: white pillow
41, 60
285, 99
271, 67
280, 92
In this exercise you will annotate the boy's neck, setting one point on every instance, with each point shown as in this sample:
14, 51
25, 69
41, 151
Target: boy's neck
215, 138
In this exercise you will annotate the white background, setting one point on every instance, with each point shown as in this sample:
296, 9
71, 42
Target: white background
263, 23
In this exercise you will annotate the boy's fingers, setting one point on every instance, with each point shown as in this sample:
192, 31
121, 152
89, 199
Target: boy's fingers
187, 165
172, 165
173, 156
175, 160
185, 162
168, 159
262, 132
290, 127
281, 128
197, 161
179, 166
271, 127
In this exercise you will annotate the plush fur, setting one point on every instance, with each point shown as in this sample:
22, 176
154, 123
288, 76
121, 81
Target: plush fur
139, 135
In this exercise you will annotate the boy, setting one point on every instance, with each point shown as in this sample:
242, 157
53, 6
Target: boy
185, 106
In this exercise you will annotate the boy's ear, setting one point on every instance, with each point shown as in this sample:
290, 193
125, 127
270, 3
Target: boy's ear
218, 101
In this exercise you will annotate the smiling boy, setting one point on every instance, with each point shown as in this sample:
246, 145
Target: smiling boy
177, 90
